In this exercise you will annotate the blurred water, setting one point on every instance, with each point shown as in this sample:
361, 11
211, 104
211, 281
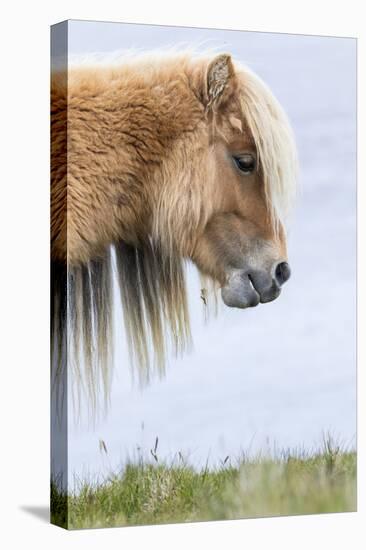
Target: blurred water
283, 372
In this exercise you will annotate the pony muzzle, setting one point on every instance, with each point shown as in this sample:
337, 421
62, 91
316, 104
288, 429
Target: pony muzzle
248, 288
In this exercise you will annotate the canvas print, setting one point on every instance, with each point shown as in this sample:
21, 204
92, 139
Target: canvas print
203, 274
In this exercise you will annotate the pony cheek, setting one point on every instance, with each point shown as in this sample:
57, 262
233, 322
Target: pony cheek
207, 262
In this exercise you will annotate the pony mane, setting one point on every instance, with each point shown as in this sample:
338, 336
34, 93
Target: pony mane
149, 276
153, 296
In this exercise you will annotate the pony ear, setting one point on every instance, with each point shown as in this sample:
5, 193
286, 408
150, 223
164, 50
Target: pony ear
220, 74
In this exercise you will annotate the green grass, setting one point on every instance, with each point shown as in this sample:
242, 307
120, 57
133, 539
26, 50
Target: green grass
149, 493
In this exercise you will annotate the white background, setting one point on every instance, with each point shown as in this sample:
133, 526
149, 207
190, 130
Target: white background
24, 274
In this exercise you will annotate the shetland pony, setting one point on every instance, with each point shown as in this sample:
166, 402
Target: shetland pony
156, 161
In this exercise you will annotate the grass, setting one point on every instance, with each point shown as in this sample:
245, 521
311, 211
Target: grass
152, 492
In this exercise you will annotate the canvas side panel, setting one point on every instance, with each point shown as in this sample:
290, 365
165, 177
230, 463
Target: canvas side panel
59, 374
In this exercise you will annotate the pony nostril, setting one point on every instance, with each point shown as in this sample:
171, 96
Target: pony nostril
282, 273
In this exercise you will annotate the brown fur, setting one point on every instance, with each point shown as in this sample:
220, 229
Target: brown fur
122, 126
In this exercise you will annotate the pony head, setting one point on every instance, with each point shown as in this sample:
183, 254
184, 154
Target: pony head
227, 209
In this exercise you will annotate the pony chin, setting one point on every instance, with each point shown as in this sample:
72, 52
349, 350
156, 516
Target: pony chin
239, 291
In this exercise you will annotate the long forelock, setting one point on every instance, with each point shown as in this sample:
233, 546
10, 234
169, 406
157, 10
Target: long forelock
274, 142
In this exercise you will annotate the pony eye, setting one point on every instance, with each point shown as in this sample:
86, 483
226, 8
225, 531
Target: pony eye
246, 163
